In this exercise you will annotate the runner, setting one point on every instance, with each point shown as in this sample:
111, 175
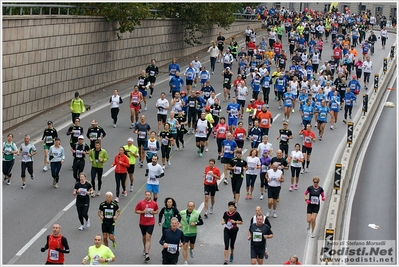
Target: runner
213, 53
75, 131
284, 135
237, 166
201, 132
162, 105
152, 72
172, 240
95, 133
314, 191
115, 100
143, 83
155, 172
55, 157
239, 135
231, 219
142, 130
147, 208
322, 112
99, 253
27, 151
265, 118
135, 98
295, 159
132, 152
151, 147
79, 152
192, 103
181, 131
57, 246
108, 212
197, 67
258, 211
173, 69
221, 130
190, 219
308, 137
334, 102
77, 106
164, 138
258, 233
169, 211
255, 135
173, 126
49, 134
227, 75
190, 75
121, 163
265, 161
82, 190
233, 110
253, 164
348, 100
292, 261
209, 118
211, 175
176, 83
220, 40
97, 156
367, 68
229, 146
274, 177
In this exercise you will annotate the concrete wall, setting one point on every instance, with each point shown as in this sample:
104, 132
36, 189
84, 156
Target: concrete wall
47, 58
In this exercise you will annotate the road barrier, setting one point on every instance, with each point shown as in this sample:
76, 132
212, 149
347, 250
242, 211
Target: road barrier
343, 170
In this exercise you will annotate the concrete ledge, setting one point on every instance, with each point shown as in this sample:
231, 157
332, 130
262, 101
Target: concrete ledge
337, 203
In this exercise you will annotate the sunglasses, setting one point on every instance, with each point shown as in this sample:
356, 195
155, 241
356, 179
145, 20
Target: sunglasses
315, 182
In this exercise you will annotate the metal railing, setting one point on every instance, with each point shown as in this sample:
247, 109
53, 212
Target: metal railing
54, 9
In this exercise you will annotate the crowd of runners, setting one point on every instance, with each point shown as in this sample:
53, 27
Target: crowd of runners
284, 65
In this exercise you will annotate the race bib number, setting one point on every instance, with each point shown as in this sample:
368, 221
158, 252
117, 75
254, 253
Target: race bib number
76, 133
264, 121
54, 255
251, 166
148, 212
142, 135
209, 177
347, 102
284, 137
49, 139
108, 213
264, 168
314, 200
165, 141
172, 248
93, 136
255, 137
229, 225
79, 153
237, 170
257, 237
308, 139
227, 148
82, 191
334, 105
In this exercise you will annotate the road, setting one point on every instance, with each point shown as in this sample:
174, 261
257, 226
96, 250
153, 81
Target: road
378, 182
28, 214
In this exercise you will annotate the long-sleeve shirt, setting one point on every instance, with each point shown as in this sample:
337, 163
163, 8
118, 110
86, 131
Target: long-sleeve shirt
121, 167
56, 154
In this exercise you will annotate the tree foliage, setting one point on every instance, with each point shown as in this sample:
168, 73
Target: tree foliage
197, 18
128, 15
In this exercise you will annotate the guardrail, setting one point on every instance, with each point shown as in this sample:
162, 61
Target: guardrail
344, 169
53, 9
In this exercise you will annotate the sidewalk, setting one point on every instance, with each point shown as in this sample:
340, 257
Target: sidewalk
61, 114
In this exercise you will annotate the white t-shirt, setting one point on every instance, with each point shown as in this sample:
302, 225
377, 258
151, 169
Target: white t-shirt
252, 162
241, 93
152, 172
273, 176
262, 146
161, 105
294, 158
367, 66
202, 126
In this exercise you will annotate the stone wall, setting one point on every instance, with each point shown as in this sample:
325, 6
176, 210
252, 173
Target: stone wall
47, 58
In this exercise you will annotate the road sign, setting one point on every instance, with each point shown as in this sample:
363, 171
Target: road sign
350, 133
328, 245
392, 52
337, 177
385, 65
376, 79
365, 103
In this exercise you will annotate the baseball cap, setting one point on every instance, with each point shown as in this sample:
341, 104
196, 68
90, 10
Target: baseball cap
197, 92
265, 151
130, 139
354, 76
227, 68
256, 68
183, 92
264, 106
49, 122
57, 138
81, 137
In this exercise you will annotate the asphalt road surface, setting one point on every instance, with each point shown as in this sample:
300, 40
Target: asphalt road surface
28, 214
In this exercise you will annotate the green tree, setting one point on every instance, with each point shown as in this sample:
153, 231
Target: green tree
197, 18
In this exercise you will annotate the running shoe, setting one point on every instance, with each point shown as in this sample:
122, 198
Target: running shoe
302, 171
219, 157
344, 121
315, 125
312, 235
163, 167
307, 170
93, 194
145, 108
225, 263
114, 244
81, 227
191, 253
141, 164
200, 155
53, 181
250, 196
199, 150
266, 255
45, 168
176, 149
211, 210
131, 188
274, 214
33, 177
132, 125
296, 186
56, 185
206, 215
150, 96
291, 188
185, 263
293, 111
287, 120
268, 213
320, 138
147, 257
117, 199
98, 193
169, 163
23, 186
246, 196
114, 125
231, 257
206, 149
261, 197
125, 193
225, 181
88, 223
279, 107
